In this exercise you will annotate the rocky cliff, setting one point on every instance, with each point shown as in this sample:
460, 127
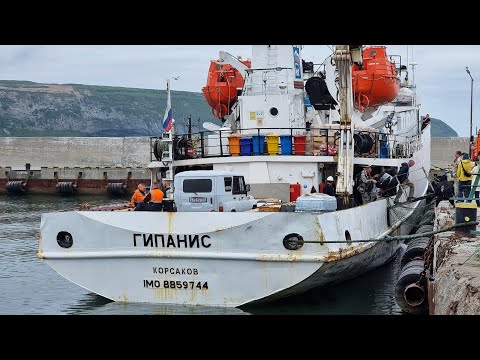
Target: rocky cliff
32, 109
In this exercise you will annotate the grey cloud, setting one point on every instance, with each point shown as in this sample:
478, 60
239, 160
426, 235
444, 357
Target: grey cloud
443, 85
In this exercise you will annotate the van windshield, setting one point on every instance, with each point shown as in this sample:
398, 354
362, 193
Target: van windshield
197, 185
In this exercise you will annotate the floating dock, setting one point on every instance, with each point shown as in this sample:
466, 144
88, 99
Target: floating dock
77, 180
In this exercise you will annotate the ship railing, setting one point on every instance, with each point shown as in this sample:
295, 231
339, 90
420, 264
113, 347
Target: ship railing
408, 142
286, 141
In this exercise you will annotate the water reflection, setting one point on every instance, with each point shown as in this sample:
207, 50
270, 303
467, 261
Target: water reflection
92, 304
30, 286
371, 293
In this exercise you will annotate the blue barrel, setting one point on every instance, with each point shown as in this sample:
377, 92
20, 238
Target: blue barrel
307, 101
258, 144
383, 149
286, 144
246, 146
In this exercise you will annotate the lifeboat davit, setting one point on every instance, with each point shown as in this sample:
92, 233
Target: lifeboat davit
376, 82
221, 89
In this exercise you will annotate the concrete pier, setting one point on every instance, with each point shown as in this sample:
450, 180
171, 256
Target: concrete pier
114, 159
91, 163
456, 267
75, 151
133, 151
443, 150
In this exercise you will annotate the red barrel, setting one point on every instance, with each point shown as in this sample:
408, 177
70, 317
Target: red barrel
299, 142
294, 191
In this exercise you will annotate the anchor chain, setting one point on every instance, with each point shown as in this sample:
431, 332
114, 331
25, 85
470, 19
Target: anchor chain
427, 259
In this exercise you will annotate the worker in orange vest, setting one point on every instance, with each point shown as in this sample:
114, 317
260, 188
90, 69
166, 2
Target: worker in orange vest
153, 201
138, 195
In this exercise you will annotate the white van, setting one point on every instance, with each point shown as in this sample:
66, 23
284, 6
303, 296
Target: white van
212, 190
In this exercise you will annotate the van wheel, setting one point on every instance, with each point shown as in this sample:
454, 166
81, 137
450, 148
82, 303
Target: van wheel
234, 210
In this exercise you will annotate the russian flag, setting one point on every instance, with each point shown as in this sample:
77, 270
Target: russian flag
167, 123
168, 118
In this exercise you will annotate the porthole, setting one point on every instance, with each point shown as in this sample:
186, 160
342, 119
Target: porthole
64, 239
293, 242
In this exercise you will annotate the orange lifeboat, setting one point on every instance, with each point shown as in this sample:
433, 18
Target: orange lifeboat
221, 89
376, 82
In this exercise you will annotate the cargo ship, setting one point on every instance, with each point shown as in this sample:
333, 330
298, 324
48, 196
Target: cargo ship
287, 127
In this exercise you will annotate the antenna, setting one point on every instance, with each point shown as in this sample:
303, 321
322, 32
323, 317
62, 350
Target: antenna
190, 126
413, 64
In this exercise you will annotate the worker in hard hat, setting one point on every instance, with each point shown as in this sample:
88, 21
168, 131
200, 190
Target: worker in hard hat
330, 186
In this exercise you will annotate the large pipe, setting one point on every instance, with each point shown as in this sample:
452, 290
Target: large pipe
347, 166
341, 142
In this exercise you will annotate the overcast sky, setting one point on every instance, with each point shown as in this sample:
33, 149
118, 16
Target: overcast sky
442, 82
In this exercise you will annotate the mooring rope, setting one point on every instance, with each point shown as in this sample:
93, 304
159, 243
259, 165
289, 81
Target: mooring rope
400, 237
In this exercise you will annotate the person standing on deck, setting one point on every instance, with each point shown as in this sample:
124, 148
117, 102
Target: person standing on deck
138, 195
426, 121
402, 177
456, 162
474, 176
153, 201
166, 189
464, 175
329, 187
365, 185
444, 190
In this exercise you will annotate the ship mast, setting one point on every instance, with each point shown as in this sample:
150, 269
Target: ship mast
168, 138
167, 156
344, 57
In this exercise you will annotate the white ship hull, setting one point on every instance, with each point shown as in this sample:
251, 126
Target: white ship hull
221, 259
231, 259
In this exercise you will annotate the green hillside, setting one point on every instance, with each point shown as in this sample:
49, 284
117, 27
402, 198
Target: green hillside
32, 109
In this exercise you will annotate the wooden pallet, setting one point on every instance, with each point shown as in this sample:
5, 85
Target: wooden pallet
269, 208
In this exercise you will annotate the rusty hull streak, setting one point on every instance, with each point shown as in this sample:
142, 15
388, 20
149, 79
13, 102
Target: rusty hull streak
318, 230
292, 257
344, 253
268, 257
166, 294
170, 222
40, 249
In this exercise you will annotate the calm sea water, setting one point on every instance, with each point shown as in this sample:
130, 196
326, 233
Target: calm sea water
29, 286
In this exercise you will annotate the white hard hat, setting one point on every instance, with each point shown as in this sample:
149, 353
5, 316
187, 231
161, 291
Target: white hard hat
330, 178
